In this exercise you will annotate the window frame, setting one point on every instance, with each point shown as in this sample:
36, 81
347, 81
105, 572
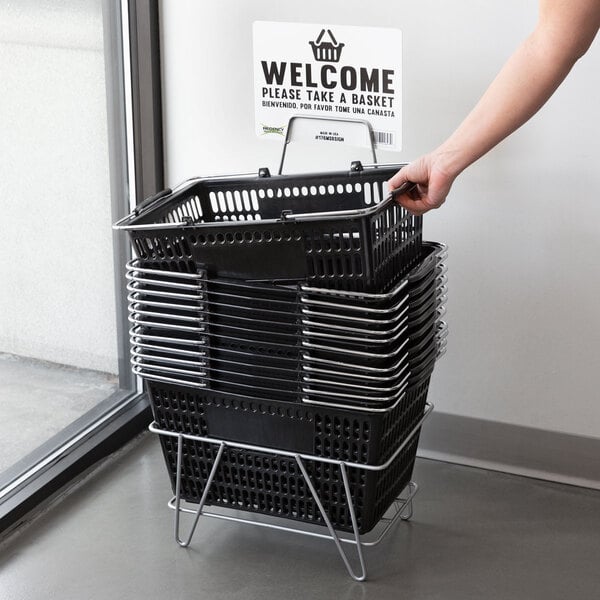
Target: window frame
134, 112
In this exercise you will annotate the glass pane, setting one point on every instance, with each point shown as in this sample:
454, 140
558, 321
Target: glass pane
58, 340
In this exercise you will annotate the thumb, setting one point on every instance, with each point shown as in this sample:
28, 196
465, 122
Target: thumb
402, 176
416, 171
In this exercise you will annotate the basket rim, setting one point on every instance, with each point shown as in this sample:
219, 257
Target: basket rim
146, 208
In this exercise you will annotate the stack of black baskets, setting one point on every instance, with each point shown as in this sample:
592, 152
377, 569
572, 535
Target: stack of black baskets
299, 313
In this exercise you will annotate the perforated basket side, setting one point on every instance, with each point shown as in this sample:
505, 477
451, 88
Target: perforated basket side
395, 245
367, 438
273, 485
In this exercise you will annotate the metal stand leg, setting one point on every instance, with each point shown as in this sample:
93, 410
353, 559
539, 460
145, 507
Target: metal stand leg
186, 543
407, 509
332, 532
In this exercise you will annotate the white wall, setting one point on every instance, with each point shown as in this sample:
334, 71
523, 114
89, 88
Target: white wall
523, 225
56, 274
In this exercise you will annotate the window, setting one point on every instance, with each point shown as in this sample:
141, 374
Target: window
74, 153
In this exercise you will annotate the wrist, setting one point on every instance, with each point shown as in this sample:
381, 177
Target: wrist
450, 160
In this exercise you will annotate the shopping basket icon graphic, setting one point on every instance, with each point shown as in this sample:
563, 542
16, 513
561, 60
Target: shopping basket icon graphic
326, 50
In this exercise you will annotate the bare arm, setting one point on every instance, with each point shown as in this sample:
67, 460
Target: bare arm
564, 32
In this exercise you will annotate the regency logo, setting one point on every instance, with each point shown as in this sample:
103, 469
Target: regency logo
266, 129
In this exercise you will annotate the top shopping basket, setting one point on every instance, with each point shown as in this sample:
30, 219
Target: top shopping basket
339, 230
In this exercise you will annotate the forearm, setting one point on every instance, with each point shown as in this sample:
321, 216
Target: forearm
524, 84
564, 32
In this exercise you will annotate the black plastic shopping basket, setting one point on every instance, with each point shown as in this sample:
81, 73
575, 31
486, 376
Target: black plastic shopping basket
338, 230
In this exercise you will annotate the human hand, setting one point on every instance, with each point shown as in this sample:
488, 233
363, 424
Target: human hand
433, 184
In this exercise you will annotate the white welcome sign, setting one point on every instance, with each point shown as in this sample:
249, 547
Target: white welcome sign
328, 71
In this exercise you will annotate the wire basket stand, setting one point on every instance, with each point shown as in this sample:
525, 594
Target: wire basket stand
401, 508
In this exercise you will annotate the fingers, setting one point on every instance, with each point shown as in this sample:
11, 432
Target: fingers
433, 185
414, 201
398, 179
411, 172
418, 206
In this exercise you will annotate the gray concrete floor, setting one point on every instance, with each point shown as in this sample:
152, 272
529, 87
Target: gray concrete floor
475, 535
38, 399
